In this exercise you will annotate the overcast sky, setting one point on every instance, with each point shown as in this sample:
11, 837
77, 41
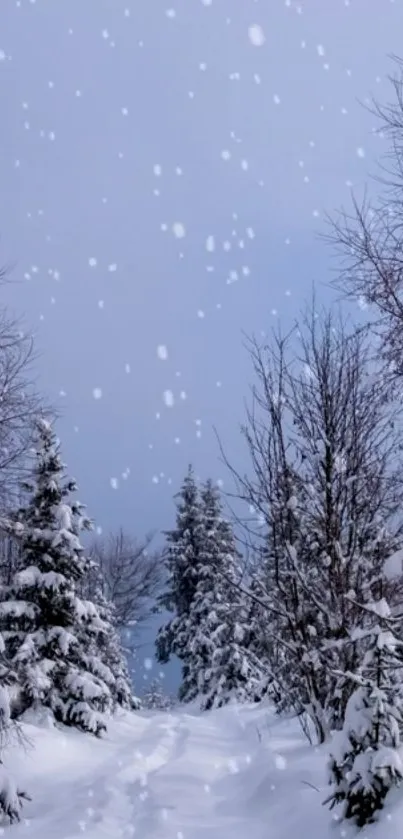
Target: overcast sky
164, 171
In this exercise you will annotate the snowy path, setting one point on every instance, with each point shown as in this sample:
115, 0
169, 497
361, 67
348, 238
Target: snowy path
230, 774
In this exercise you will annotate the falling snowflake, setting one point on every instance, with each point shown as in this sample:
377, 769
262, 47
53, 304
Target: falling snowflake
92, 262
280, 762
162, 352
179, 230
256, 35
97, 393
114, 483
210, 244
169, 398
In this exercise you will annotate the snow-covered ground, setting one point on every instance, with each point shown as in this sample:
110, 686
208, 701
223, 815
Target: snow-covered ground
236, 773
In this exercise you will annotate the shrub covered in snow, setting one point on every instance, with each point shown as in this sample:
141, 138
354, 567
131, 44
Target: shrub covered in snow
11, 797
365, 762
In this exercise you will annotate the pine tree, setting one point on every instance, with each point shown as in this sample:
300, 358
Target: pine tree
108, 646
365, 763
155, 699
51, 635
182, 559
218, 666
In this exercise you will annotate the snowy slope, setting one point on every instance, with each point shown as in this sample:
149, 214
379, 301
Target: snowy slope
236, 773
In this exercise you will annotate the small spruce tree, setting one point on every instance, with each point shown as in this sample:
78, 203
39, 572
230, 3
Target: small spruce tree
108, 648
182, 559
365, 763
218, 666
50, 633
155, 699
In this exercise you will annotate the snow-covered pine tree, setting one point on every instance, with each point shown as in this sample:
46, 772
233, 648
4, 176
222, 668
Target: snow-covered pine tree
182, 559
218, 665
260, 641
108, 645
49, 632
365, 762
155, 699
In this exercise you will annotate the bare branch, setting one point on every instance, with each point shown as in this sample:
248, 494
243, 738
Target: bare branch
133, 573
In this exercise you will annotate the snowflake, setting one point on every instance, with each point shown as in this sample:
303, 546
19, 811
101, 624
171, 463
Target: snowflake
169, 398
179, 230
280, 762
97, 393
256, 35
162, 352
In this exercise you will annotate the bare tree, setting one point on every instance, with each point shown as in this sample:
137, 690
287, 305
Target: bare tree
10, 556
326, 492
20, 405
368, 240
133, 574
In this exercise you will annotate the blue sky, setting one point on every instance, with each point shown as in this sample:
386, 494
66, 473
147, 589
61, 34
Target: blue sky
165, 167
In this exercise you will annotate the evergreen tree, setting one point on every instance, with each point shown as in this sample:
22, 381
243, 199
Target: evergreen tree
108, 646
182, 560
365, 763
51, 635
209, 630
216, 663
155, 699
